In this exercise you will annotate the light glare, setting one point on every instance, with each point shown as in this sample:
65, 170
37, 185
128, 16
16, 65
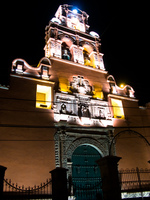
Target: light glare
122, 85
75, 11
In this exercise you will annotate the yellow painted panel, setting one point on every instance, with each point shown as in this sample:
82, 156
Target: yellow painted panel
43, 97
117, 108
98, 93
64, 84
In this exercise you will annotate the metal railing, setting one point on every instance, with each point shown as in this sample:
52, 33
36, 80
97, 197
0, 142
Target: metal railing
135, 179
13, 191
131, 181
85, 189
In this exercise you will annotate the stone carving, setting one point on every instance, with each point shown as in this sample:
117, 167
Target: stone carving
79, 107
80, 85
67, 142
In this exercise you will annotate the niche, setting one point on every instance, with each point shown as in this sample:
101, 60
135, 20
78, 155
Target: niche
66, 55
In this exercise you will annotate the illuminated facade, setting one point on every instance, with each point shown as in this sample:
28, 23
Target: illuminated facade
69, 101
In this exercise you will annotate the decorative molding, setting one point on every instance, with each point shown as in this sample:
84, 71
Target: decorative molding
4, 87
81, 109
126, 91
33, 79
66, 143
122, 97
20, 66
78, 65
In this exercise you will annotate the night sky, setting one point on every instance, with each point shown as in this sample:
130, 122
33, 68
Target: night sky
122, 25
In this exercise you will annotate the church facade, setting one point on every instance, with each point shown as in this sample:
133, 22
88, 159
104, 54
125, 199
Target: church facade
68, 111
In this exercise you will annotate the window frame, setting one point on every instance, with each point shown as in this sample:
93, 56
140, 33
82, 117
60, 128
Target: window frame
46, 103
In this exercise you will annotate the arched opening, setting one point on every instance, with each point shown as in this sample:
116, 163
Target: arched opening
86, 176
112, 84
88, 55
66, 55
67, 50
87, 60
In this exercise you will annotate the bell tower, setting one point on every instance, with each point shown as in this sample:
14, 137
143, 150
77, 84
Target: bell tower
68, 37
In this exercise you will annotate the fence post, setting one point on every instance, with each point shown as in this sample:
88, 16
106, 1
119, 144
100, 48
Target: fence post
110, 180
2, 174
138, 175
59, 184
139, 180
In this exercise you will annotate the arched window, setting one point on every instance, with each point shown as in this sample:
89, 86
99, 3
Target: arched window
87, 60
112, 84
110, 78
67, 53
87, 52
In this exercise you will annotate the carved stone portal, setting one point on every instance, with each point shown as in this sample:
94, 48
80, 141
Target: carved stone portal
66, 141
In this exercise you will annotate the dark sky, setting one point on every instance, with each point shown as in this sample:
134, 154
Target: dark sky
122, 25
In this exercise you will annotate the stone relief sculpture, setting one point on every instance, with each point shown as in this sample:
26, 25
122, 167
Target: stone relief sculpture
78, 106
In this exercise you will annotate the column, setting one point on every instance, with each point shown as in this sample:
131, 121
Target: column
110, 180
59, 184
2, 174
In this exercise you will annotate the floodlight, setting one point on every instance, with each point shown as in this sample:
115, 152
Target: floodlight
75, 11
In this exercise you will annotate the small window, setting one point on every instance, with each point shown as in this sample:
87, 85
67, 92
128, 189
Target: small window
19, 67
117, 108
43, 97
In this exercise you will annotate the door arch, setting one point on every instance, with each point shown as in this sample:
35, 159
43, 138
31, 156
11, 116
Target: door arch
86, 176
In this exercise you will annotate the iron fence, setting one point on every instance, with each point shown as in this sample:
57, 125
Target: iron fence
87, 190
13, 191
135, 179
131, 181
